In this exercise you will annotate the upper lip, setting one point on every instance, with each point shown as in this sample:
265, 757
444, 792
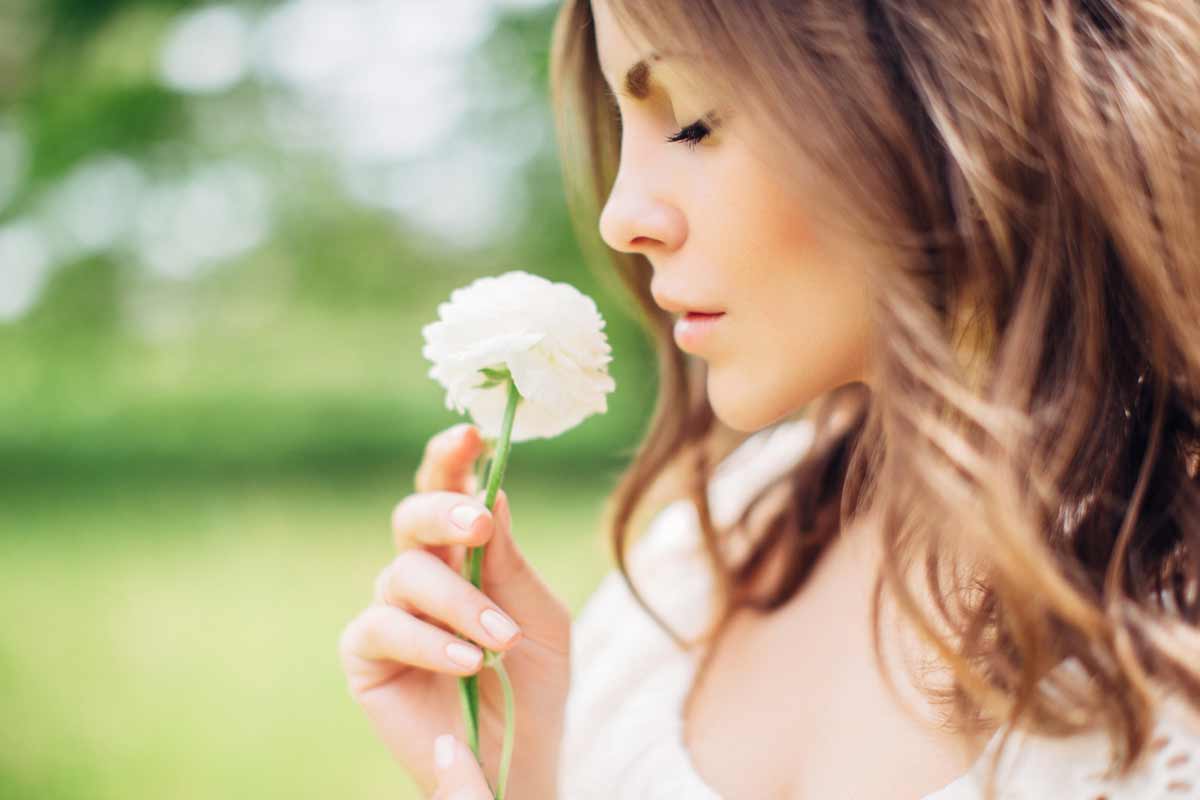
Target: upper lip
668, 303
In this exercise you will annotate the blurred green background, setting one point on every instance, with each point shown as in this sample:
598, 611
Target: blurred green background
222, 227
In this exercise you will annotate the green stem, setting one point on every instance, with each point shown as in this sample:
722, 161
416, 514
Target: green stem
469, 684
468, 691
464, 694
510, 720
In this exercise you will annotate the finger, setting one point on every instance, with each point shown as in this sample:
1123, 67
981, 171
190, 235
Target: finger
503, 562
384, 633
513, 581
458, 773
419, 580
449, 460
440, 519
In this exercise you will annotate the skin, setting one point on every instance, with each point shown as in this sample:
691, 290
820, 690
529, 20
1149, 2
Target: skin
394, 652
723, 234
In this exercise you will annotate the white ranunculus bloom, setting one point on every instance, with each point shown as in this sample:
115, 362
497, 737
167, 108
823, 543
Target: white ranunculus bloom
548, 336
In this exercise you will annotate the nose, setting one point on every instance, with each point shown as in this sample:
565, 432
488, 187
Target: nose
638, 219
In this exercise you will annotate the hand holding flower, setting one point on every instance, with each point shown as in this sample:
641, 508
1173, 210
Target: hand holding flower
393, 653
527, 358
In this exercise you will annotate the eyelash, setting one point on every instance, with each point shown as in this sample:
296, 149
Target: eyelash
691, 135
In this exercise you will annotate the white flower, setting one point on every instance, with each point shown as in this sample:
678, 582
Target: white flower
548, 336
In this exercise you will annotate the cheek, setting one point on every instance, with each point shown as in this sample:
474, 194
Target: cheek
783, 359
758, 218
802, 326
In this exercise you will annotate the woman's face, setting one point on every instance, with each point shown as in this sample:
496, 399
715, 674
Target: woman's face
723, 234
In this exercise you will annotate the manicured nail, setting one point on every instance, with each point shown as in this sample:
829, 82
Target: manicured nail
463, 654
498, 625
463, 516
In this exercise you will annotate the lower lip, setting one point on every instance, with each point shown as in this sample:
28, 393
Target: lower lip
691, 330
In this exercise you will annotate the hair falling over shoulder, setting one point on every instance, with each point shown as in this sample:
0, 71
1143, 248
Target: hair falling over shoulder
1036, 416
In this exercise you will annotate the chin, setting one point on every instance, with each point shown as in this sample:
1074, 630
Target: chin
743, 410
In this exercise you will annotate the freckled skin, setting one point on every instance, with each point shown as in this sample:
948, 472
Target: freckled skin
720, 230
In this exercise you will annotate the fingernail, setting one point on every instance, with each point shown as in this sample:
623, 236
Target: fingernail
462, 516
498, 625
463, 654
443, 751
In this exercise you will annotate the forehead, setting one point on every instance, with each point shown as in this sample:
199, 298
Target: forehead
618, 49
630, 63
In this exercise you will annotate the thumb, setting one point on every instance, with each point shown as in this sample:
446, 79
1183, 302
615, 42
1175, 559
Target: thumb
513, 582
503, 561
459, 776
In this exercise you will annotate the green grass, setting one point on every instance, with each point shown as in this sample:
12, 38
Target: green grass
178, 640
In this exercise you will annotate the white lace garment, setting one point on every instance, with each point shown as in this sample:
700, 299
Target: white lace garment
624, 717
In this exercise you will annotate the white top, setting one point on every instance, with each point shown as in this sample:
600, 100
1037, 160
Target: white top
623, 735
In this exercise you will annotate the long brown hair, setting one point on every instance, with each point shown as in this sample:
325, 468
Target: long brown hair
1034, 413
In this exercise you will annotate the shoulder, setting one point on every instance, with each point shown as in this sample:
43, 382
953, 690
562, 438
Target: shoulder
667, 561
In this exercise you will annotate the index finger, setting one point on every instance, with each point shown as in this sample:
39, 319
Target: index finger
449, 461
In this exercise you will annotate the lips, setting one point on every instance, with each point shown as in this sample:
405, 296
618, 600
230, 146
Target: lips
693, 329
680, 305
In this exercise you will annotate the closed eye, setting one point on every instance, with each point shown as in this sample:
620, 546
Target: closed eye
691, 134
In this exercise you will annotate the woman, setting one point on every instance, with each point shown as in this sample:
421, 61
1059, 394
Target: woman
950, 259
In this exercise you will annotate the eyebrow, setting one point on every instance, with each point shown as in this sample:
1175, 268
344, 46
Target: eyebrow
637, 78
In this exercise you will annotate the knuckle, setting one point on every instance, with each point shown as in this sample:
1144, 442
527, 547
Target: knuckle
440, 445
392, 583
408, 563
406, 518
427, 574
403, 573
382, 581
373, 634
433, 443
400, 511
350, 640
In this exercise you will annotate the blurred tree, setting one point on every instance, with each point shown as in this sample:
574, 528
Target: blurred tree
226, 224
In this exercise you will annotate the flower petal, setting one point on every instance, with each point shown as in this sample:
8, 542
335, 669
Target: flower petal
549, 336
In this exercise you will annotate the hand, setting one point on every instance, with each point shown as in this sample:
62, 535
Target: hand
394, 653
458, 773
